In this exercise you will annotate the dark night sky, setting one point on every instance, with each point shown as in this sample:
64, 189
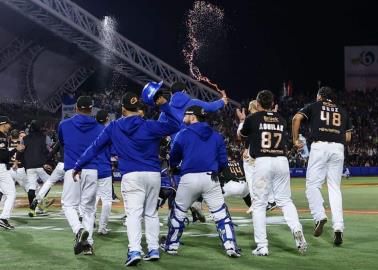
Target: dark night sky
267, 42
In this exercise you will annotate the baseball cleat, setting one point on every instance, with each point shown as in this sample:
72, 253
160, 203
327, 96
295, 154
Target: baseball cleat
133, 258
338, 238
88, 250
260, 251
46, 204
271, 206
167, 250
103, 231
153, 255
34, 204
81, 241
5, 224
300, 242
40, 212
32, 213
233, 253
319, 227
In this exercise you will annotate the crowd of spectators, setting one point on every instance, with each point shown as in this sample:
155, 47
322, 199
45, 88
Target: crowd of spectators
361, 106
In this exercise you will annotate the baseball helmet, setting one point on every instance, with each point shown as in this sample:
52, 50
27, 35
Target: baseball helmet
149, 91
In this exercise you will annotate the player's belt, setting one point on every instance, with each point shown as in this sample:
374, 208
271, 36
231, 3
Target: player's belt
323, 142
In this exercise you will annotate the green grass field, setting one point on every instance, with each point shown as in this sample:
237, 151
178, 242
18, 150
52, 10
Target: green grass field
47, 242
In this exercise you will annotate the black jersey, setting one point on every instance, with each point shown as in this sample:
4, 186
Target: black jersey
18, 155
328, 122
266, 132
234, 172
5, 154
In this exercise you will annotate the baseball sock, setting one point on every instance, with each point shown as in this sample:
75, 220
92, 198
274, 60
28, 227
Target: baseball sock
31, 196
247, 200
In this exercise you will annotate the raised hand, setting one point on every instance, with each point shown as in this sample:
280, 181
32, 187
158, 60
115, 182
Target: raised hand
240, 114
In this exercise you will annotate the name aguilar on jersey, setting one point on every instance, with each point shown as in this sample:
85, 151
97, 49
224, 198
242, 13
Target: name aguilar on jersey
271, 127
266, 132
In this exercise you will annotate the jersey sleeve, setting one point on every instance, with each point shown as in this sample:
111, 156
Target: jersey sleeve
247, 126
306, 111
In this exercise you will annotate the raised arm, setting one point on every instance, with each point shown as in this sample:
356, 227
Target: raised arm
162, 128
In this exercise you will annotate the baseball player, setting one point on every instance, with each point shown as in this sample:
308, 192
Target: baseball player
17, 170
330, 128
136, 142
180, 100
233, 180
35, 156
266, 132
7, 186
104, 188
248, 161
346, 173
56, 175
202, 154
75, 135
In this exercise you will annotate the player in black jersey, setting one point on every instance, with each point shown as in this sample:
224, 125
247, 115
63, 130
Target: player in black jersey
6, 182
330, 128
266, 133
232, 179
248, 161
16, 163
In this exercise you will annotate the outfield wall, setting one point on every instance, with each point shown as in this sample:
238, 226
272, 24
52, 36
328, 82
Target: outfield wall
354, 171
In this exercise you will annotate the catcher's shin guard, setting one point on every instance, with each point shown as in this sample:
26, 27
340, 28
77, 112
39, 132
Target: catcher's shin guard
176, 228
225, 228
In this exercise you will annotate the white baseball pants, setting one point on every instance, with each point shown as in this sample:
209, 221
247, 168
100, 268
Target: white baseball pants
104, 193
32, 176
249, 165
19, 176
272, 173
8, 189
235, 189
140, 192
192, 186
325, 162
80, 195
56, 175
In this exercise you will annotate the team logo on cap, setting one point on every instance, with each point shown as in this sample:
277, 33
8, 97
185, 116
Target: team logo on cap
133, 100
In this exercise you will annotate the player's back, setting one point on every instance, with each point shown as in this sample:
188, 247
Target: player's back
76, 134
328, 122
268, 136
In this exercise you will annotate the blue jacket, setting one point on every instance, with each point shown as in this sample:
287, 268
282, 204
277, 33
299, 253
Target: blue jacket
75, 135
104, 163
200, 148
180, 101
135, 141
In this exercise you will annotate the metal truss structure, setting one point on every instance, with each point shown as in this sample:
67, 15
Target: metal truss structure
12, 51
75, 25
53, 102
26, 73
